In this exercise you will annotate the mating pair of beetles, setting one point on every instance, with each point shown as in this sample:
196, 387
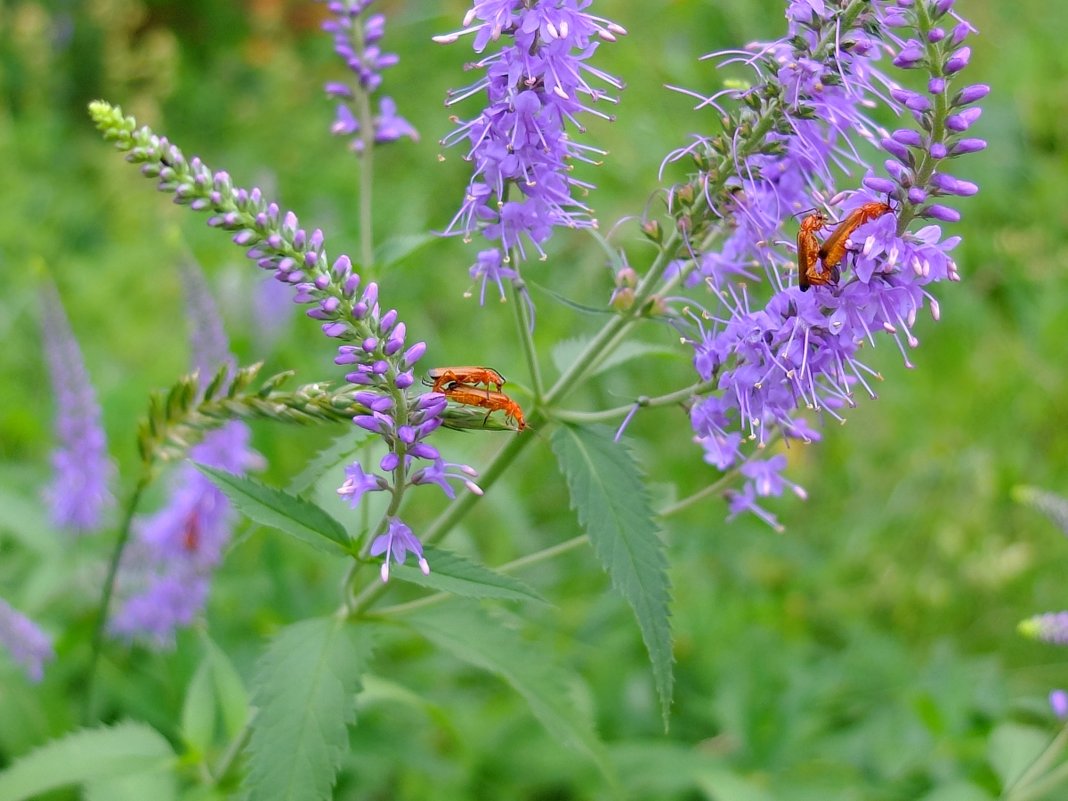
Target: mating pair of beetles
462, 385
833, 250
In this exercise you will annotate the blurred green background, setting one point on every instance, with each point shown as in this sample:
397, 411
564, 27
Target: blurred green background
868, 653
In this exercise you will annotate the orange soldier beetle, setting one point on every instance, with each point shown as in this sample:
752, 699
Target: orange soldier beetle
486, 399
833, 250
191, 532
808, 249
443, 377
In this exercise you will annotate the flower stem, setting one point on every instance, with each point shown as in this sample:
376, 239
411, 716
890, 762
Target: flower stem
530, 559
643, 401
524, 329
109, 590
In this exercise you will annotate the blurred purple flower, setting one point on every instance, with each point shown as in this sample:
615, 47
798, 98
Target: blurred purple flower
534, 84
272, 306
356, 40
1058, 702
78, 494
1051, 627
167, 571
28, 645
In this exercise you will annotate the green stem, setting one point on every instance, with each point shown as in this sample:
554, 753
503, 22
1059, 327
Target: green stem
530, 559
700, 495
526, 339
234, 750
1026, 785
643, 401
109, 590
1041, 788
463, 504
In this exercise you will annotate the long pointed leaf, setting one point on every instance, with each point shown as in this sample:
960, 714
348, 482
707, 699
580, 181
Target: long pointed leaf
471, 635
305, 690
613, 507
453, 573
272, 507
87, 756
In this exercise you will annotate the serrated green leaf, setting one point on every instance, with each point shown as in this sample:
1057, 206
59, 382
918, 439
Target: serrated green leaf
565, 353
450, 572
87, 756
471, 635
613, 507
304, 691
332, 456
229, 690
198, 711
273, 507
139, 787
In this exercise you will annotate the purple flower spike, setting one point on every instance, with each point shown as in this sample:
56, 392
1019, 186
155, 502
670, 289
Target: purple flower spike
535, 84
774, 355
28, 645
165, 577
78, 495
356, 40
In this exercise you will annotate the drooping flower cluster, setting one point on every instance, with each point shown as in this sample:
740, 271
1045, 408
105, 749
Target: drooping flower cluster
78, 494
521, 185
28, 645
166, 577
804, 117
374, 347
356, 39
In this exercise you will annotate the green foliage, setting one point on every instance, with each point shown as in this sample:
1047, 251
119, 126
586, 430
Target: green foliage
129, 755
304, 694
473, 637
290, 514
869, 653
454, 574
613, 507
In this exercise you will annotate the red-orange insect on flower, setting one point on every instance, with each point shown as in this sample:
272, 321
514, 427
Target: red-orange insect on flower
808, 250
486, 399
442, 377
833, 250
191, 532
